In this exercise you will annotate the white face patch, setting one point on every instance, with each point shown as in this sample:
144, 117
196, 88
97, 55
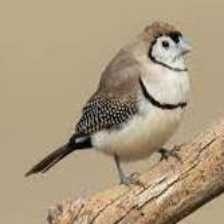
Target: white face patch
169, 53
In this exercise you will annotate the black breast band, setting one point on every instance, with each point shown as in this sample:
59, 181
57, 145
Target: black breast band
153, 101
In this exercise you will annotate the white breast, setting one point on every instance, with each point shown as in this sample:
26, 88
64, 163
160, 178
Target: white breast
148, 130
143, 135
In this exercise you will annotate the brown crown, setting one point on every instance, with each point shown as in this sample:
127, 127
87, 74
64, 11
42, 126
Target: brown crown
157, 29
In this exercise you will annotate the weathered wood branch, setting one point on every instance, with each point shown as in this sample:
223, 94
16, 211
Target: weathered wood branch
172, 190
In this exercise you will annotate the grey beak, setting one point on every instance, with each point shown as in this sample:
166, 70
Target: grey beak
184, 46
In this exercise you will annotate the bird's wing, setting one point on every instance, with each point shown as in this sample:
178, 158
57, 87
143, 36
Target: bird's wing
115, 100
104, 113
113, 104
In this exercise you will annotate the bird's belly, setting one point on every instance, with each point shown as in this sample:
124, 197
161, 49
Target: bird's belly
141, 136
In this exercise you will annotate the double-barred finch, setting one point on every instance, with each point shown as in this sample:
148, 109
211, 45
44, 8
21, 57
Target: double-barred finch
138, 104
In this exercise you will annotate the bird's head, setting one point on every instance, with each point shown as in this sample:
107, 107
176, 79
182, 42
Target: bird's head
165, 45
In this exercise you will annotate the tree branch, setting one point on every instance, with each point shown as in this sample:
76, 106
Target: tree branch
172, 190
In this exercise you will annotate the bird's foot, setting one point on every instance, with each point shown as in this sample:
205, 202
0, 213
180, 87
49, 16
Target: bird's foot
132, 179
165, 154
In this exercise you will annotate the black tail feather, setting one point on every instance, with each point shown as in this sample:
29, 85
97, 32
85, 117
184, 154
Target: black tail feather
49, 161
57, 155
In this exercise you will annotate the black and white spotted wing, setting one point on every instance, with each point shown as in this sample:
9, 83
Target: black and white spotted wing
104, 113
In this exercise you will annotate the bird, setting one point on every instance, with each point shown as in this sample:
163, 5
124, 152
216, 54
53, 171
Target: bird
138, 104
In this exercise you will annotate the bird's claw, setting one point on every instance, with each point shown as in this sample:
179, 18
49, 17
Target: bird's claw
165, 154
132, 179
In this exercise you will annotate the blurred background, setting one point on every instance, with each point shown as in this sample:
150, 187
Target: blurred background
51, 56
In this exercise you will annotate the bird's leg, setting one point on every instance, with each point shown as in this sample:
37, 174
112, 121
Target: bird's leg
127, 180
165, 154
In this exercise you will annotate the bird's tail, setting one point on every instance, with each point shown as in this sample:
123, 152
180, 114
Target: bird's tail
57, 155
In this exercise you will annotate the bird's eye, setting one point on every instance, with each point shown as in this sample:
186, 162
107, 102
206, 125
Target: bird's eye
165, 44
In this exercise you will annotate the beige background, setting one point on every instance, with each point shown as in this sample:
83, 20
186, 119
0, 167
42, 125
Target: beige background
51, 55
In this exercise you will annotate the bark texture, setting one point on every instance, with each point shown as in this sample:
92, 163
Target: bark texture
172, 189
